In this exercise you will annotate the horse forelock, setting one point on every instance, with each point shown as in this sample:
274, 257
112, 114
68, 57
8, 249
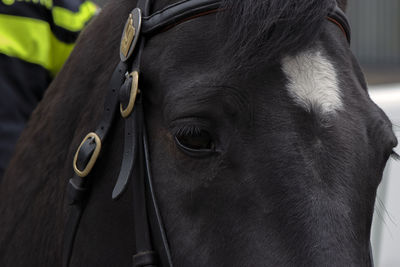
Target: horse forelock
272, 28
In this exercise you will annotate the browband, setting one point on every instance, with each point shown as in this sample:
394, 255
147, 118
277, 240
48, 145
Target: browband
187, 9
176, 13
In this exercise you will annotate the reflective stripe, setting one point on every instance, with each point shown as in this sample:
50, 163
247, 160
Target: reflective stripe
74, 21
31, 40
46, 3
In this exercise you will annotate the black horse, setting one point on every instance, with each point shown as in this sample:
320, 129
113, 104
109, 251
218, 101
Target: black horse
265, 148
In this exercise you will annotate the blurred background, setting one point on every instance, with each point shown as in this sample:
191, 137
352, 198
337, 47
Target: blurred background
376, 43
376, 38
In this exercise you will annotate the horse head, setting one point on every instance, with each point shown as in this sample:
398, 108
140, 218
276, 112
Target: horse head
265, 148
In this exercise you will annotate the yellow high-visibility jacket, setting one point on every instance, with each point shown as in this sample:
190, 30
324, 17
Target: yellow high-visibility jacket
36, 38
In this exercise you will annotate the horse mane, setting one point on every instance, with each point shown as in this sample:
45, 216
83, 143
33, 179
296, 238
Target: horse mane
272, 28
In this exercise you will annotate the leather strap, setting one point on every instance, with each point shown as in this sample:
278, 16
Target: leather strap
78, 188
128, 160
146, 258
185, 10
133, 166
76, 193
175, 13
141, 224
111, 100
156, 223
130, 146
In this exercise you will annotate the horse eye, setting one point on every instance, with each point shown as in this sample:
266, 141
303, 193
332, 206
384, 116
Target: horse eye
195, 144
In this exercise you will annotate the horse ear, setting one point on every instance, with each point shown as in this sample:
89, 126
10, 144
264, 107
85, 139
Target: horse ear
342, 4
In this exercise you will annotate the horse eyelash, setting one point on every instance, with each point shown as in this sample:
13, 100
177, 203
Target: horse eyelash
188, 130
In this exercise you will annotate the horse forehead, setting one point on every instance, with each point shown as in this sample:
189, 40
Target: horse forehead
312, 82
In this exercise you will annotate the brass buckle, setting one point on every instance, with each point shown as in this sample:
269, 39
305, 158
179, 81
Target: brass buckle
131, 34
134, 91
93, 158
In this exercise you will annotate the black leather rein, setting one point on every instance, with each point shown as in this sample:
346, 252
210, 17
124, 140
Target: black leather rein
152, 248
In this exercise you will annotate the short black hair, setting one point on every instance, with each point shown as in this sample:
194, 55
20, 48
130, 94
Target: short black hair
272, 28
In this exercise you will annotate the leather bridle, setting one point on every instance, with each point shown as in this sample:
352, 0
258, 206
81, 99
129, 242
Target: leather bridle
152, 248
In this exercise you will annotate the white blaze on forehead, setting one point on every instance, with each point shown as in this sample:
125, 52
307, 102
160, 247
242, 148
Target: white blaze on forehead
313, 82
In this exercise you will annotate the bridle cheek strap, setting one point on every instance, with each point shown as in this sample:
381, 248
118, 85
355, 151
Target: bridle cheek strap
137, 170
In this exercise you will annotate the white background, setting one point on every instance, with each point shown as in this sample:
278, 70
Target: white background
386, 222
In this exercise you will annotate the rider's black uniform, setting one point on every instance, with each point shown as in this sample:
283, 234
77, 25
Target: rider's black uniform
36, 37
